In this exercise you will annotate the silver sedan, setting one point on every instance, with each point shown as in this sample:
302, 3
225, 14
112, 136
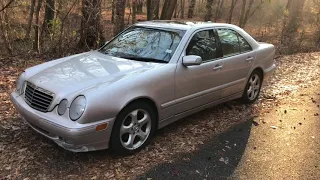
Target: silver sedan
148, 76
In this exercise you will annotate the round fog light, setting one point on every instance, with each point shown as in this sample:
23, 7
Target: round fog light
62, 108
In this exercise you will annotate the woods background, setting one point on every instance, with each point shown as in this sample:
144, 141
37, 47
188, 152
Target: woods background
57, 28
34, 31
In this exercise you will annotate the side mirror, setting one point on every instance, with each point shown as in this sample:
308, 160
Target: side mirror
191, 60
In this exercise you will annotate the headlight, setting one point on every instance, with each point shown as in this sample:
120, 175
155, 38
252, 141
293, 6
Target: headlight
77, 107
63, 105
21, 83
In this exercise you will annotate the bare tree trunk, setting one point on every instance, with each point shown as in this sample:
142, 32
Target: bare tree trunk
175, 14
59, 5
6, 5
113, 9
318, 41
130, 12
318, 23
119, 16
233, 4
139, 7
242, 13
156, 9
48, 15
149, 10
33, 3
208, 15
91, 32
285, 19
182, 5
192, 4
218, 10
295, 15
292, 22
247, 14
168, 8
36, 43
134, 12
63, 20
289, 2
4, 30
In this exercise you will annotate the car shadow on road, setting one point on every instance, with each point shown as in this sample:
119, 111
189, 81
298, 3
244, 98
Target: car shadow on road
217, 158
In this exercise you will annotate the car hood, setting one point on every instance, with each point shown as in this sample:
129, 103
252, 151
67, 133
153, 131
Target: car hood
87, 71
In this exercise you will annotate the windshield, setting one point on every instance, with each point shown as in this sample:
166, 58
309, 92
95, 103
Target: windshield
145, 44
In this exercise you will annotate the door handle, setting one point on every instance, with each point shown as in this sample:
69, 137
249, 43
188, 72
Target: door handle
249, 59
218, 67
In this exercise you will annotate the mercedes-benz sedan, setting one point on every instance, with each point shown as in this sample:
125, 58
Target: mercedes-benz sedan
148, 76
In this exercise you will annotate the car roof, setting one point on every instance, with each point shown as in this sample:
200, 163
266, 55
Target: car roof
182, 25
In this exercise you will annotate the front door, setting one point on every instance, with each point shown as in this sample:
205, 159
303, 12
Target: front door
201, 84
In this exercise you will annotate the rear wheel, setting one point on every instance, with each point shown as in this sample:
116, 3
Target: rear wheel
253, 87
133, 128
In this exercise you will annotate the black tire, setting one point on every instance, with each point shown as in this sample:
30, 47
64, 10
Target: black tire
247, 98
117, 143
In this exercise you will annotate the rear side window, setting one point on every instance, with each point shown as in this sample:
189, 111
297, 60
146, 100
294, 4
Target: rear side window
203, 44
244, 45
229, 42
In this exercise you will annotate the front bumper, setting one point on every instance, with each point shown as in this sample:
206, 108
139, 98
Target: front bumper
66, 133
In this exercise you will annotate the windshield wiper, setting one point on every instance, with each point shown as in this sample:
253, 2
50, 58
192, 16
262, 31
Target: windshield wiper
144, 59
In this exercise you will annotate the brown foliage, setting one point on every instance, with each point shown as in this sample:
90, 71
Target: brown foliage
75, 29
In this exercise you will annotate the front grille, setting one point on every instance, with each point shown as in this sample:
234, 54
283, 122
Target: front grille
38, 98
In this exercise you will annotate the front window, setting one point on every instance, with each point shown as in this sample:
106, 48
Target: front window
145, 44
203, 44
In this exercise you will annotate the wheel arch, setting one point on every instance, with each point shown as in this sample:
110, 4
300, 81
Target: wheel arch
116, 145
147, 100
260, 70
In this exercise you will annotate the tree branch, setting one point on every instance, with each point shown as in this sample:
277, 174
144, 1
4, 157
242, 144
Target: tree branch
6, 6
251, 14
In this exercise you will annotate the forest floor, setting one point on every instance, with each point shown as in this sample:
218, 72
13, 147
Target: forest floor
275, 138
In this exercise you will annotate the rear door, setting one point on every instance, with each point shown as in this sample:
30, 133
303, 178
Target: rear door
238, 57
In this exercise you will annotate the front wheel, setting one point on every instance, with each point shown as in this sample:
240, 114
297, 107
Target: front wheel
133, 128
252, 89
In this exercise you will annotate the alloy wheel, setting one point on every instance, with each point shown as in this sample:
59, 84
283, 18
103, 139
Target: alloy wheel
254, 87
135, 129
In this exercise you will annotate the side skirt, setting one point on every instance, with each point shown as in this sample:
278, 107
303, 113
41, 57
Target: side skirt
176, 117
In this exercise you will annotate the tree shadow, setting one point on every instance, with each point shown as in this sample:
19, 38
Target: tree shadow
216, 159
